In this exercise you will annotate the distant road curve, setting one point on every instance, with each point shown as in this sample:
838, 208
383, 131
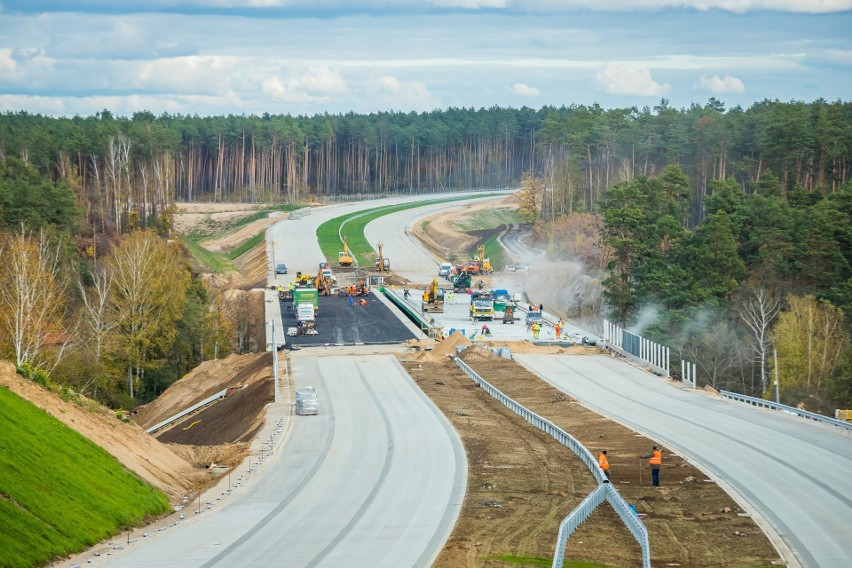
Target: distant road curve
796, 473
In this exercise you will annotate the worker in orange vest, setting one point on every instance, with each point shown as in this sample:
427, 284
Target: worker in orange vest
604, 463
655, 460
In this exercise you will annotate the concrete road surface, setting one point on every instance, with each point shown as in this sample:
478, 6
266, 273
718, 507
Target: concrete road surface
408, 257
797, 474
294, 242
376, 479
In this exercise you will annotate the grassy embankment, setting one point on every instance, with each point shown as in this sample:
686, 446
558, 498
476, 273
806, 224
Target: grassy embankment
224, 261
59, 492
491, 219
353, 230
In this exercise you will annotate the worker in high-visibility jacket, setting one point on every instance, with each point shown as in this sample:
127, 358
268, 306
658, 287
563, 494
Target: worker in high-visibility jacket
604, 463
655, 460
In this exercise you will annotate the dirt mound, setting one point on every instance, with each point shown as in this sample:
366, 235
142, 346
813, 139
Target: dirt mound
137, 451
236, 418
448, 346
205, 380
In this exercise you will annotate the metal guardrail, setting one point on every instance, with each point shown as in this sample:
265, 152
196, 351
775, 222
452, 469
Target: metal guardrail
576, 518
784, 408
609, 493
182, 413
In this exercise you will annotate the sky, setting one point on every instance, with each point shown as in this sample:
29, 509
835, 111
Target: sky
306, 57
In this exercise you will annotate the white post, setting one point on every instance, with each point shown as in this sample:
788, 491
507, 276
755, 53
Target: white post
668, 367
694, 373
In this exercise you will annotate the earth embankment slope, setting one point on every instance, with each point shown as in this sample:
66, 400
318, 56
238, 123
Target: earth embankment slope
137, 451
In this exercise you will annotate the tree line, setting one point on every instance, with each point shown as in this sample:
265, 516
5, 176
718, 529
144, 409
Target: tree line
767, 271
122, 167
729, 224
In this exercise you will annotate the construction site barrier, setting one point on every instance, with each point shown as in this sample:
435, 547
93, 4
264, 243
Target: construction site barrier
762, 403
608, 493
299, 213
637, 347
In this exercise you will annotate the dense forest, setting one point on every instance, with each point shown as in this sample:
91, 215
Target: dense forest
724, 232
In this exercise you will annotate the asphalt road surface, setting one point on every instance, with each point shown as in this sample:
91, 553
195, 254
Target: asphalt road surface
797, 474
338, 323
376, 479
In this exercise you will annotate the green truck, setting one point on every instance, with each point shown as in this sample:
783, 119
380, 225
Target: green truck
306, 296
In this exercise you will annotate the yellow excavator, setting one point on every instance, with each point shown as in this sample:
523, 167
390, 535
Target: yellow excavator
433, 298
323, 283
344, 257
484, 263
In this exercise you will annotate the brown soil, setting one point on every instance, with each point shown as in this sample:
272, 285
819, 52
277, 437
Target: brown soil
521, 483
440, 233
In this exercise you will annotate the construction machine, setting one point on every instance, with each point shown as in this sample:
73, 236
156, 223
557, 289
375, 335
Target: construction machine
324, 282
433, 298
461, 281
484, 263
304, 279
344, 257
382, 263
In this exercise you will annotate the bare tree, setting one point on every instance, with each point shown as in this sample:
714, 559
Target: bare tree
238, 310
757, 313
98, 315
33, 298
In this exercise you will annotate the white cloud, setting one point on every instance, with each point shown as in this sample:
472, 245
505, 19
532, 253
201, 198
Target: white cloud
622, 79
316, 83
525, 90
721, 85
469, 4
841, 56
7, 63
387, 92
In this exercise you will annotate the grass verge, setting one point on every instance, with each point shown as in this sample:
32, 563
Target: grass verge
212, 261
59, 492
353, 229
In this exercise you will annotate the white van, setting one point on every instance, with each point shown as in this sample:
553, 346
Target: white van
445, 269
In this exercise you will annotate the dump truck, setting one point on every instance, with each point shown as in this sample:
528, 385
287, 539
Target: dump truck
306, 296
481, 307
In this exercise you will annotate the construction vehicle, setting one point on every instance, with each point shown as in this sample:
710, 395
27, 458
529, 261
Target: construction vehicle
484, 263
473, 266
433, 298
481, 306
303, 280
324, 282
344, 257
382, 263
509, 315
461, 281
304, 295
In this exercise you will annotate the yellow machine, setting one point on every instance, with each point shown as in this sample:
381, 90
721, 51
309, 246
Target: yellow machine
382, 263
433, 298
323, 283
484, 263
303, 279
344, 257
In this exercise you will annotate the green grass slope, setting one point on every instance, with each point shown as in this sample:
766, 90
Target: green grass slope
59, 492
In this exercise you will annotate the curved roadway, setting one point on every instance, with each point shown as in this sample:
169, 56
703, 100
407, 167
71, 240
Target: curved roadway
376, 479
797, 474
408, 257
